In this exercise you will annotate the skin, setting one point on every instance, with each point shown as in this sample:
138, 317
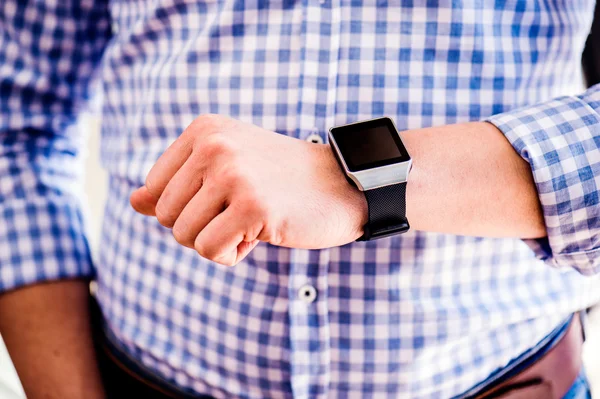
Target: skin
46, 329
224, 185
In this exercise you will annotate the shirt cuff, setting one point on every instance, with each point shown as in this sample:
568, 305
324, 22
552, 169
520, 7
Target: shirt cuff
561, 139
42, 238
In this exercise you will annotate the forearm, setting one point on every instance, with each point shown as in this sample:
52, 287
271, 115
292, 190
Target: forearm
46, 329
468, 180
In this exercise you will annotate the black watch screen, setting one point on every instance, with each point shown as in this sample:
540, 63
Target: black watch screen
371, 144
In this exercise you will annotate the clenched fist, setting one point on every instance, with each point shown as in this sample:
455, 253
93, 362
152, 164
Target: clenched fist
224, 185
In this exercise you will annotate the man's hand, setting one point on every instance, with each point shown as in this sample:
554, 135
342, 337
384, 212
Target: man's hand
224, 185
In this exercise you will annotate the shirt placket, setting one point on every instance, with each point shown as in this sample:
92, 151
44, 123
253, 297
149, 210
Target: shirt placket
319, 69
309, 320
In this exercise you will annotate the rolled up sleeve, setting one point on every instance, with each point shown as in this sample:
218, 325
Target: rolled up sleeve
560, 139
49, 51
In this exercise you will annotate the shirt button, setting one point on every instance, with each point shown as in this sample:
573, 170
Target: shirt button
314, 138
307, 293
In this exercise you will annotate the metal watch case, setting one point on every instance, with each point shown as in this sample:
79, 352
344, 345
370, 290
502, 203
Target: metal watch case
376, 177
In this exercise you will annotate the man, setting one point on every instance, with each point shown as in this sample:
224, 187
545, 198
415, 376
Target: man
477, 298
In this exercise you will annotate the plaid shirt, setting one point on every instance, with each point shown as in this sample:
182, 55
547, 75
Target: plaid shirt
421, 315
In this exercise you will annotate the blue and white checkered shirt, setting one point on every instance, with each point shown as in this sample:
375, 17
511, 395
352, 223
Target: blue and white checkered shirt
421, 315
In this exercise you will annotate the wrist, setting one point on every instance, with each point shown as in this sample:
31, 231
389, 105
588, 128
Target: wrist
372, 155
359, 206
347, 195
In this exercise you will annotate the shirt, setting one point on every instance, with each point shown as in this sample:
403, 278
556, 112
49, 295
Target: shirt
420, 315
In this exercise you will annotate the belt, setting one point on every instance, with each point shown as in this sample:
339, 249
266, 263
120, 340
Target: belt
125, 377
551, 376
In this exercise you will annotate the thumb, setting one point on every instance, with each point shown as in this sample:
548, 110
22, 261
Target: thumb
143, 202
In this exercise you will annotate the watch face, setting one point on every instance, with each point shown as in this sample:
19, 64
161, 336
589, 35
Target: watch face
370, 144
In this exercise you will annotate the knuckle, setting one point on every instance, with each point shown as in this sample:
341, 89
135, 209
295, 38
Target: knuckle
205, 123
272, 233
231, 176
152, 186
205, 250
253, 205
217, 145
164, 215
182, 234
208, 119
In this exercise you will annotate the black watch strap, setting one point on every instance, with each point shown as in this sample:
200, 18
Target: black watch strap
387, 212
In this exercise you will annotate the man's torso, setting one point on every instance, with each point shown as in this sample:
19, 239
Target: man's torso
420, 315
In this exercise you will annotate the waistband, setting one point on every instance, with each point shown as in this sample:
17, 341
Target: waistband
123, 359
546, 371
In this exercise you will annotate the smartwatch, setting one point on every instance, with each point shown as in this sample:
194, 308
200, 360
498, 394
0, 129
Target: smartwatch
375, 160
